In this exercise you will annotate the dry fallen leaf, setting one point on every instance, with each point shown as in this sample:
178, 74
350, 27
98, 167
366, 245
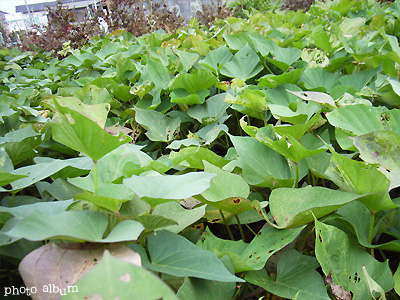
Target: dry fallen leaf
337, 290
54, 268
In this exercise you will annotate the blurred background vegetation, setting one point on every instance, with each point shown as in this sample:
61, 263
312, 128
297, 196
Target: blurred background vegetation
65, 31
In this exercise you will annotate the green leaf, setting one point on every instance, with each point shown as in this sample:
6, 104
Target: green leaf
6, 178
192, 89
85, 60
358, 119
213, 109
108, 50
336, 253
287, 107
244, 65
35, 173
314, 78
159, 127
253, 39
252, 256
160, 189
39, 226
109, 203
296, 278
322, 39
61, 189
216, 59
95, 112
373, 287
261, 165
159, 74
80, 133
297, 131
383, 148
316, 58
360, 79
295, 207
187, 59
253, 99
284, 57
125, 281
126, 70
5, 161
193, 157
24, 210
225, 185
317, 97
179, 257
19, 249
110, 168
92, 94
388, 93
153, 221
232, 205
21, 144
352, 26
357, 177
287, 145
271, 80
199, 289
395, 85
177, 144
359, 217
396, 278
211, 132
183, 217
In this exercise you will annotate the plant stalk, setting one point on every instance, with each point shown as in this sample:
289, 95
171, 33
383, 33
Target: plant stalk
12, 199
227, 226
296, 181
314, 180
240, 229
371, 231
251, 230
95, 176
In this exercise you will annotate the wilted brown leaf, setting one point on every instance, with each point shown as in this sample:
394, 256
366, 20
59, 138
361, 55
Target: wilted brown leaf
337, 290
54, 268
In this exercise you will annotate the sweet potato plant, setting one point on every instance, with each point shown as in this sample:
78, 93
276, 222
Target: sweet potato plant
254, 159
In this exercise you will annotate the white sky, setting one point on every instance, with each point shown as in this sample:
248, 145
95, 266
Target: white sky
9, 5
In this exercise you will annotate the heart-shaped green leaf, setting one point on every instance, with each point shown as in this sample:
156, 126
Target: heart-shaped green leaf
295, 207
336, 253
125, 281
80, 133
179, 257
253, 256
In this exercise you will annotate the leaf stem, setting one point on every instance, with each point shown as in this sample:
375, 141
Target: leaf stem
371, 231
251, 230
12, 199
241, 290
95, 176
305, 233
227, 226
227, 141
296, 180
314, 180
240, 229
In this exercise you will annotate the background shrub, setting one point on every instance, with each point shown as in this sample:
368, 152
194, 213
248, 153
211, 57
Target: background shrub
131, 15
213, 10
297, 4
63, 28
245, 6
